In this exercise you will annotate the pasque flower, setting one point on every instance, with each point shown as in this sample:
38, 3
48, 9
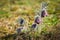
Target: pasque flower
34, 25
21, 21
37, 20
44, 13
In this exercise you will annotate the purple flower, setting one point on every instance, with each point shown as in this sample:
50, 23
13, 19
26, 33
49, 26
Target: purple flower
34, 25
21, 21
44, 13
37, 20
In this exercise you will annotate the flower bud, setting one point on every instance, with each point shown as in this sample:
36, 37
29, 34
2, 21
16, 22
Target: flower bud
21, 21
37, 20
44, 13
34, 25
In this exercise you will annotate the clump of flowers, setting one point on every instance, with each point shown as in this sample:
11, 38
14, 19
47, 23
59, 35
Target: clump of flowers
38, 19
